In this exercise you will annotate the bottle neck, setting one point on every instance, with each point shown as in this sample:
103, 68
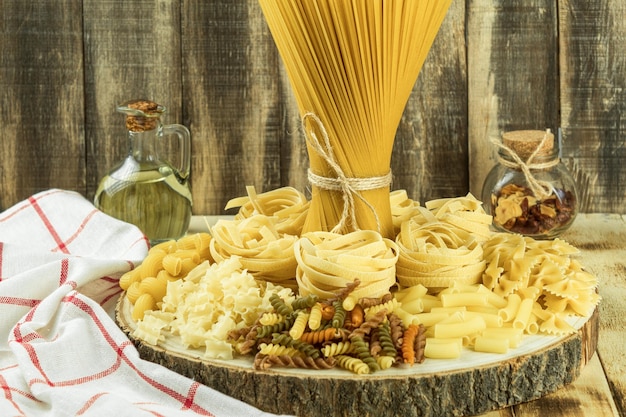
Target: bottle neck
142, 145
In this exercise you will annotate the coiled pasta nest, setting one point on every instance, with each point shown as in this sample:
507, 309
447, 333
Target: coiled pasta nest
328, 262
443, 244
262, 251
263, 233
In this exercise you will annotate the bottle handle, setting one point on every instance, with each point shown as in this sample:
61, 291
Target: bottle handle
184, 140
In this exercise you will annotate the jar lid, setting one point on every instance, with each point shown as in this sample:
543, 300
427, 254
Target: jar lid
525, 142
141, 114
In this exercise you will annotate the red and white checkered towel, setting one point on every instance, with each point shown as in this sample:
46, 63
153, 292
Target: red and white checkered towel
61, 354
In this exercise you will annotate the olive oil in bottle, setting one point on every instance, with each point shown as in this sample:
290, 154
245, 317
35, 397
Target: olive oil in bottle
143, 189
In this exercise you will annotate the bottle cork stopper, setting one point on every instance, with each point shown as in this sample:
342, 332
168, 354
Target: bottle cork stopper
141, 115
525, 142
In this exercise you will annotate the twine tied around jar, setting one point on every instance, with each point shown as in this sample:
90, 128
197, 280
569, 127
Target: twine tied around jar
349, 187
541, 189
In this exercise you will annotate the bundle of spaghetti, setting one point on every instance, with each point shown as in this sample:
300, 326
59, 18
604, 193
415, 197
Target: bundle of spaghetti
328, 262
352, 65
436, 254
264, 252
287, 204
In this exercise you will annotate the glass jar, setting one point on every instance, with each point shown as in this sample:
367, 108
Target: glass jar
530, 191
144, 188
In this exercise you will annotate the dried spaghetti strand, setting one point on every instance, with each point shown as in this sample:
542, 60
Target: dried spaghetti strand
352, 64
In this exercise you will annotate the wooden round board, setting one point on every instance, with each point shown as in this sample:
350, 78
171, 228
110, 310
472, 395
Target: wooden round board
473, 384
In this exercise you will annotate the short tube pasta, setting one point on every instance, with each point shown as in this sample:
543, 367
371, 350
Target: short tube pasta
186, 242
152, 263
455, 330
523, 313
532, 326
429, 319
508, 313
491, 344
172, 264
415, 292
514, 336
429, 302
443, 348
128, 278
464, 299
143, 303
414, 306
491, 320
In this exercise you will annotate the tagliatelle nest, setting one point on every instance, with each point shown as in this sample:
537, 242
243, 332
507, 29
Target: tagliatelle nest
329, 261
287, 205
442, 244
263, 252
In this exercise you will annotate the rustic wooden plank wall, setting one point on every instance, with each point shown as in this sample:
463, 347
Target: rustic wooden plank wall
593, 98
496, 65
513, 74
41, 98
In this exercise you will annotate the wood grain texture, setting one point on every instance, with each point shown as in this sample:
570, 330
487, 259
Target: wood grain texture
233, 101
602, 238
593, 99
495, 66
132, 50
584, 397
41, 98
512, 73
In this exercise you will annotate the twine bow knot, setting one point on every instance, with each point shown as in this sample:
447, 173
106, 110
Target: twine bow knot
349, 187
541, 189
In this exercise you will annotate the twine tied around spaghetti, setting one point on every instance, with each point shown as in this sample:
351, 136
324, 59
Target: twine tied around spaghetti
541, 189
349, 187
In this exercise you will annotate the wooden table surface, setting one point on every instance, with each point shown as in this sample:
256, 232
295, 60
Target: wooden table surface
600, 390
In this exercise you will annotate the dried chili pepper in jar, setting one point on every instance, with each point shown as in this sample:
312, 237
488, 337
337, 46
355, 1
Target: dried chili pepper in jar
530, 191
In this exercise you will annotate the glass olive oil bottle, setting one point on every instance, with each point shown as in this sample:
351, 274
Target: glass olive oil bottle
144, 189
